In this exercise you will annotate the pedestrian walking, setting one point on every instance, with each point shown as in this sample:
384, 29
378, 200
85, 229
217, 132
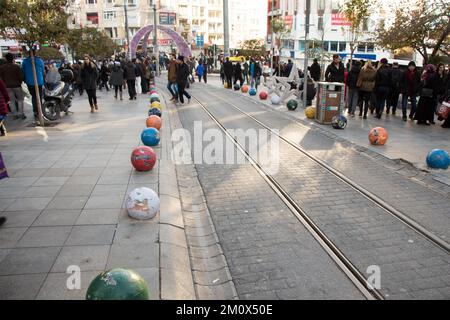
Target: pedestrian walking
222, 72
89, 76
394, 92
238, 74
335, 71
29, 79
4, 101
77, 78
205, 72
442, 82
228, 70
104, 76
353, 91
139, 73
383, 84
147, 76
427, 96
366, 84
12, 76
409, 89
117, 79
314, 70
288, 69
199, 72
182, 80
172, 77
130, 76
246, 71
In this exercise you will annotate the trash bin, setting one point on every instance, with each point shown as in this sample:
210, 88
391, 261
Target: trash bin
330, 101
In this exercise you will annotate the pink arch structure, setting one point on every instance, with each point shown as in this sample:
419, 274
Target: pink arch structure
144, 32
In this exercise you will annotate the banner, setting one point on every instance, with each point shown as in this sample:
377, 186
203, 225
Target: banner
338, 19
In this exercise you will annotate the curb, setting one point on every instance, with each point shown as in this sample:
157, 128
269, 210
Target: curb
208, 266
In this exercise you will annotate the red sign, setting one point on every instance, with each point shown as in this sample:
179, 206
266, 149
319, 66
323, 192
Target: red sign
338, 19
161, 42
289, 20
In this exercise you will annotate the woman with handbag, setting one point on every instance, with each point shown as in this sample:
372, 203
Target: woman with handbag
366, 84
427, 94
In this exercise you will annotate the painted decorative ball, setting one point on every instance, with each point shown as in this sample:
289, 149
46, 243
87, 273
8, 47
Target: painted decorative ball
142, 204
236, 87
150, 137
263, 95
275, 99
155, 104
378, 136
154, 100
310, 112
154, 111
438, 159
153, 122
252, 92
292, 104
118, 284
339, 122
245, 88
143, 158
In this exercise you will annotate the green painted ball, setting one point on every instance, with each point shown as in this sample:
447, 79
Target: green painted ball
118, 284
154, 99
292, 104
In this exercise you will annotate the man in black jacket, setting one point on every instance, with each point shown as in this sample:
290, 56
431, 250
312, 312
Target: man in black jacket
182, 80
409, 89
383, 83
314, 70
335, 71
394, 93
228, 68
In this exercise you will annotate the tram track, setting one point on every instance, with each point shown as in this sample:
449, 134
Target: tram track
339, 257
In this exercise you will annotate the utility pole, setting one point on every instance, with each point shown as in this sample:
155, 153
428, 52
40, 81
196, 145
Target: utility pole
305, 71
226, 35
127, 30
155, 39
272, 47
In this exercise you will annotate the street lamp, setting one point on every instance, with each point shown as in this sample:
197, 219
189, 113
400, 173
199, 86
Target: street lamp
155, 38
125, 6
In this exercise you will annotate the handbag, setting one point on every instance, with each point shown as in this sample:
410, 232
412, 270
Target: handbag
426, 92
443, 110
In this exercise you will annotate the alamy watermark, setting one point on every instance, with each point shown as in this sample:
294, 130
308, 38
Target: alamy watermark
213, 146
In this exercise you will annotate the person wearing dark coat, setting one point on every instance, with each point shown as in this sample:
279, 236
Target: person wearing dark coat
104, 76
4, 101
238, 74
130, 75
89, 76
314, 70
182, 79
335, 71
352, 80
77, 78
396, 75
228, 69
409, 89
383, 82
288, 69
427, 96
116, 80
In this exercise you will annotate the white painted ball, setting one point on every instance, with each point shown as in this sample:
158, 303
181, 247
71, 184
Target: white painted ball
142, 204
275, 99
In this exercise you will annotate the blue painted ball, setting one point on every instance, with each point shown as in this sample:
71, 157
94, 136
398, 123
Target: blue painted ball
252, 92
150, 137
438, 159
154, 112
339, 122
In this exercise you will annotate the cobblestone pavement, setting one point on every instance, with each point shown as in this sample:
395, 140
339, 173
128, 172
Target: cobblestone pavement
64, 203
411, 267
269, 253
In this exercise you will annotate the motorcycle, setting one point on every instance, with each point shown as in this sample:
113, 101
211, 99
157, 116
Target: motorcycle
58, 97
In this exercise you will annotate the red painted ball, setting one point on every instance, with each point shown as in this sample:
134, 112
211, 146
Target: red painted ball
143, 158
263, 95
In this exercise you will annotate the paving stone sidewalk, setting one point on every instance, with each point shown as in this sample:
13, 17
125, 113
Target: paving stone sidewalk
64, 202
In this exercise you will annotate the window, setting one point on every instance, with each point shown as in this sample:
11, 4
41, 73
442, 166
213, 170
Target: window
301, 46
92, 17
370, 47
321, 5
333, 46
109, 15
362, 47
326, 45
109, 2
91, 1
365, 25
342, 46
335, 6
320, 23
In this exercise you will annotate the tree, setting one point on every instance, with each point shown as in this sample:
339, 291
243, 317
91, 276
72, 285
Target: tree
280, 30
423, 26
50, 53
252, 47
28, 22
90, 41
356, 12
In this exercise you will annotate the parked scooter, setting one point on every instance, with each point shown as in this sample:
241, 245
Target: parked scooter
58, 96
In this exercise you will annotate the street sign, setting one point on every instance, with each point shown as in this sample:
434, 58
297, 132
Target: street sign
200, 41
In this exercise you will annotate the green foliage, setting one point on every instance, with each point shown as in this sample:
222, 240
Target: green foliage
253, 47
50, 53
30, 21
90, 41
425, 27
